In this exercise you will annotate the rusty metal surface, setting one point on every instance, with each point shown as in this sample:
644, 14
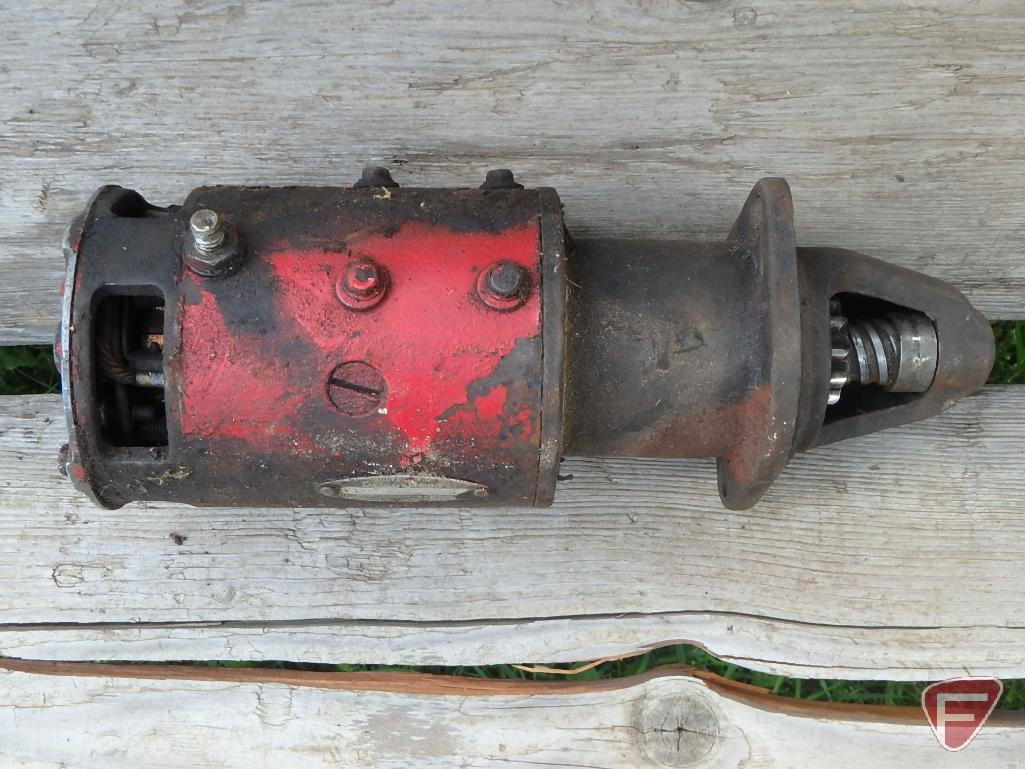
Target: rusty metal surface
763, 239
723, 349
378, 345
554, 289
685, 349
275, 386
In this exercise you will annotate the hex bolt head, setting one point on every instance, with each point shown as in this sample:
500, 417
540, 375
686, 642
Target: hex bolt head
503, 286
362, 285
505, 280
375, 176
356, 388
500, 179
214, 249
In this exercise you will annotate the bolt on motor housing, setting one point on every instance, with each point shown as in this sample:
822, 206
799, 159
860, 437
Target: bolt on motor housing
308, 346
297, 377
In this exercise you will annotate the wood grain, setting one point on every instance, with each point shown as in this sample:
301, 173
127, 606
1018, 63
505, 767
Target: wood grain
897, 123
889, 556
252, 720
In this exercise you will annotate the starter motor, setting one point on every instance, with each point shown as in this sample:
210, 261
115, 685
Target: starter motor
378, 345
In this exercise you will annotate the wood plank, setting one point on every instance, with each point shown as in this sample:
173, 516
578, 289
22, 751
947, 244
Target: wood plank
162, 717
898, 123
896, 555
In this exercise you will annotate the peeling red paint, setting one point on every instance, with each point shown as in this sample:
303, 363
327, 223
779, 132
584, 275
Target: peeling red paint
522, 419
490, 406
430, 337
228, 388
258, 407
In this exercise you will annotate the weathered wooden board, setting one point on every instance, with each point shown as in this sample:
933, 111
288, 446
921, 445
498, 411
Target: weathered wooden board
897, 555
253, 719
898, 123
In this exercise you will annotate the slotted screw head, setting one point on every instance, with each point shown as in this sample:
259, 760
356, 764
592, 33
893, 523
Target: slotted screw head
356, 388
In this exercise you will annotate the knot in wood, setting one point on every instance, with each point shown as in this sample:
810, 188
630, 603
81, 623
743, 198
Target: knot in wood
678, 729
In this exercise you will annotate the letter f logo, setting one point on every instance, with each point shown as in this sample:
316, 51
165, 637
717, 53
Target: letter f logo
957, 708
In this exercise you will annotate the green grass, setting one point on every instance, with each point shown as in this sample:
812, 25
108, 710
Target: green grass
30, 369
823, 690
1010, 363
27, 369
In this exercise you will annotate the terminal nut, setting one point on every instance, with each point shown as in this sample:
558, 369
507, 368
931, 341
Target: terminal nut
213, 248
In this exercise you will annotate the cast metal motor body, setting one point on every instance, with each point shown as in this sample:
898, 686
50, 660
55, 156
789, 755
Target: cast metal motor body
307, 346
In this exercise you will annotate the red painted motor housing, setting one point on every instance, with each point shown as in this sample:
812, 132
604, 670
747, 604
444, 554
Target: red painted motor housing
363, 345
